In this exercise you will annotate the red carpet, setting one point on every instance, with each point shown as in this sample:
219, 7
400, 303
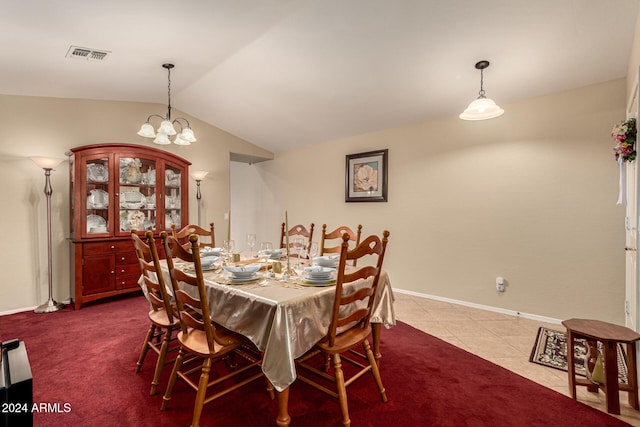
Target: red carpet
87, 359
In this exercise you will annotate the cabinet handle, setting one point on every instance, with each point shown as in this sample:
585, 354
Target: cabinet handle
113, 247
121, 271
113, 272
122, 258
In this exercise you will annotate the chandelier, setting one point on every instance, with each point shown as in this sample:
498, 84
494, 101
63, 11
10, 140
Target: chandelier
167, 129
482, 108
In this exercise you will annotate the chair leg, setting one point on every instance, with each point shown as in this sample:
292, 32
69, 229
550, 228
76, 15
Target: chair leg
342, 390
172, 379
202, 391
160, 362
374, 370
270, 389
145, 347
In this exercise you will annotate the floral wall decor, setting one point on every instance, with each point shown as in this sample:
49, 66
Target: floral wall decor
625, 136
366, 177
625, 151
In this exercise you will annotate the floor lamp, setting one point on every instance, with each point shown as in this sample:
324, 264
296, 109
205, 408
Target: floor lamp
48, 164
198, 176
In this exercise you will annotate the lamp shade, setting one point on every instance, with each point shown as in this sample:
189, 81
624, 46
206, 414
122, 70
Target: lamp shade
147, 131
167, 127
179, 140
482, 109
162, 139
199, 175
187, 135
46, 162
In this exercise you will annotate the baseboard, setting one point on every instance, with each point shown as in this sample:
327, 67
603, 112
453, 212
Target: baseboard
481, 307
20, 310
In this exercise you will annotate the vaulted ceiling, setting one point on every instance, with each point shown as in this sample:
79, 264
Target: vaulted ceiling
287, 73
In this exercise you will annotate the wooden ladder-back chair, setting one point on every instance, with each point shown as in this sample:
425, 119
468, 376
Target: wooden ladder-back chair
162, 316
337, 234
183, 234
296, 230
349, 327
199, 336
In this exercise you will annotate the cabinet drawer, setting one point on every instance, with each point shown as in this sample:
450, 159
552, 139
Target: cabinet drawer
127, 270
99, 248
127, 282
125, 258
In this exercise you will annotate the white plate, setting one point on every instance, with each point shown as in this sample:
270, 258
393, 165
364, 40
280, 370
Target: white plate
97, 172
233, 279
132, 197
315, 282
96, 222
98, 199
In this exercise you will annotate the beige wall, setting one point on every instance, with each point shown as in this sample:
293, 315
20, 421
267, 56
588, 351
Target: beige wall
529, 196
49, 127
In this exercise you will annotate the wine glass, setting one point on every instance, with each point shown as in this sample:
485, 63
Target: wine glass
313, 250
266, 249
227, 247
298, 245
251, 241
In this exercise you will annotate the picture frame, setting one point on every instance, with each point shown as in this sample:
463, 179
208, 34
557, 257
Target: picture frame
366, 176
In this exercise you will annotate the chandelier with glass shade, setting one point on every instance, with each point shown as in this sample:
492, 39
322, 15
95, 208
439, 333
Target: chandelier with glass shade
167, 126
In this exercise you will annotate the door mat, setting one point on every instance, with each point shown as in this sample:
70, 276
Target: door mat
550, 349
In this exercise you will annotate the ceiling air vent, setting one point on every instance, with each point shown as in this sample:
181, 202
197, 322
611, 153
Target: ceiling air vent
87, 54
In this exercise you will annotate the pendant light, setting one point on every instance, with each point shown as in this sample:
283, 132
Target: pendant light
166, 129
482, 108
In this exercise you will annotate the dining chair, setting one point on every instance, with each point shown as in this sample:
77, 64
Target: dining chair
349, 327
199, 336
336, 234
182, 235
296, 230
162, 315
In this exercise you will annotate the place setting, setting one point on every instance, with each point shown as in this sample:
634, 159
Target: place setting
238, 275
318, 275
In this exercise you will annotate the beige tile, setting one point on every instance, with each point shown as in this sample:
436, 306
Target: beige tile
501, 339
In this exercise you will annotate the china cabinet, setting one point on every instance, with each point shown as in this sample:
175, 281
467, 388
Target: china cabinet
116, 188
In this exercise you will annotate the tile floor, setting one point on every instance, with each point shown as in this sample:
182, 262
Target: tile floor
499, 338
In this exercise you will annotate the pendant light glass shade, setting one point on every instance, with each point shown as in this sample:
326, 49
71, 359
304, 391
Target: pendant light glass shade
162, 139
167, 127
482, 108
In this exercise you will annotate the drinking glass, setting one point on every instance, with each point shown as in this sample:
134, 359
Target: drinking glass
227, 247
298, 245
266, 249
313, 251
251, 242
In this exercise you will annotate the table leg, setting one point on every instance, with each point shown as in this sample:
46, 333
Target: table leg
282, 397
375, 333
632, 376
571, 367
611, 377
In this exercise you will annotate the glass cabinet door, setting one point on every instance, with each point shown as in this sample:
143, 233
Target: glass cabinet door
96, 170
172, 197
137, 194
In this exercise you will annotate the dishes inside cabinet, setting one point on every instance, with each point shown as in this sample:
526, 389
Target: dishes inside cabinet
172, 219
172, 202
151, 177
97, 172
150, 201
132, 200
171, 178
96, 224
98, 199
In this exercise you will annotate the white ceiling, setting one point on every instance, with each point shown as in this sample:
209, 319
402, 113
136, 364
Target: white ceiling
286, 73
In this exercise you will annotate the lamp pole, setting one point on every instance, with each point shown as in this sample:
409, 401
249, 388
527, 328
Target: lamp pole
198, 176
48, 164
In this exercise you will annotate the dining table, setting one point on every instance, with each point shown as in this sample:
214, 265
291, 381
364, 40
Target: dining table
283, 316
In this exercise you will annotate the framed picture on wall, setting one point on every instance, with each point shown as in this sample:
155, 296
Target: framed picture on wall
366, 176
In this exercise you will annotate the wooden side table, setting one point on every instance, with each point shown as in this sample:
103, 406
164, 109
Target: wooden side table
609, 335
